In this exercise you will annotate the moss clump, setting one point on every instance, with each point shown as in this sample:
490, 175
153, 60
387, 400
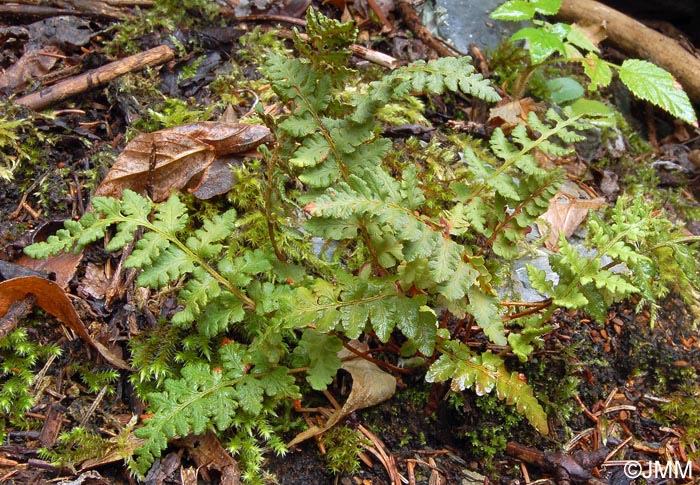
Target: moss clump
344, 446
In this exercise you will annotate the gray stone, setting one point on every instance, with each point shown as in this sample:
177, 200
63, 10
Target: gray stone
465, 22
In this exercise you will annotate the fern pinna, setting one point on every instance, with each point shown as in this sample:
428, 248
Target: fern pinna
405, 245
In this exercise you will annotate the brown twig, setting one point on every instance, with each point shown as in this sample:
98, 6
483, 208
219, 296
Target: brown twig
380, 363
18, 310
380, 15
370, 55
96, 77
379, 451
409, 16
28, 8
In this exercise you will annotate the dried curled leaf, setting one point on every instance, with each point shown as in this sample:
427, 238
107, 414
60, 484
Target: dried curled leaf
176, 155
370, 386
53, 300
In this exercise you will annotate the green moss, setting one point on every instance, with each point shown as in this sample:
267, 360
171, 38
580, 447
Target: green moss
343, 448
682, 410
490, 433
20, 359
162, 16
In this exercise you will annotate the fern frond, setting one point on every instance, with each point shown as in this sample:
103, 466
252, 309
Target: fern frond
485, 373
204, 398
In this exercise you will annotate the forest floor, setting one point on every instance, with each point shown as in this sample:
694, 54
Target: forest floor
628, 383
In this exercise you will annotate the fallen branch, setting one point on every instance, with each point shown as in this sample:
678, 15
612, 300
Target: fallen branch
639, 41
409, 16
96, 77
32, 8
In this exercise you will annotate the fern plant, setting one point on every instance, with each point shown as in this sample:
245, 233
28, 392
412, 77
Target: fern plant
645, 80
340, 234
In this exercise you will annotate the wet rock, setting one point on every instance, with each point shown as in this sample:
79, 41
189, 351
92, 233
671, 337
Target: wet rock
467, 21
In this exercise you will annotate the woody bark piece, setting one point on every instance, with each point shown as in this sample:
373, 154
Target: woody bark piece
96, 77
639, 41
88, 8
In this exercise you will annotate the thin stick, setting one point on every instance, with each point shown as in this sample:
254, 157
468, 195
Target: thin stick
409, 16
370, 55
96, 77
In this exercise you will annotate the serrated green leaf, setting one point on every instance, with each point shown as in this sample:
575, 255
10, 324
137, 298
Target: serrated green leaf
578, 38
656, 85
354, 319
597, 70
333, 229
441, 370
170, 216
538, 280
220, 314
249, 395
170, 265
460, 282
300, 126
514, 10
382, 316
542, 43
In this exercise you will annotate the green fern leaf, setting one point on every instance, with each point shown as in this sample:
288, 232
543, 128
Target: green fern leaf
313, 151
322, 353
197, 293
185, 405
220, 314
249, 395
322, 175
382, 314
334, 229
463, 278
148, 249
239, 271
205, 242
423, 246
354, 318
516, 10
300, 125
485, 309
597, 70
542, 43
485, 373
445, 258
170, 265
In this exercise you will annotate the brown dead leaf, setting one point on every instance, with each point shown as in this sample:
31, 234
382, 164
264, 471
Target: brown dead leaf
564, 215
95, 283
370, 386
208, 454
31, 66
180, 153
507, 115
61, 266
53, 300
